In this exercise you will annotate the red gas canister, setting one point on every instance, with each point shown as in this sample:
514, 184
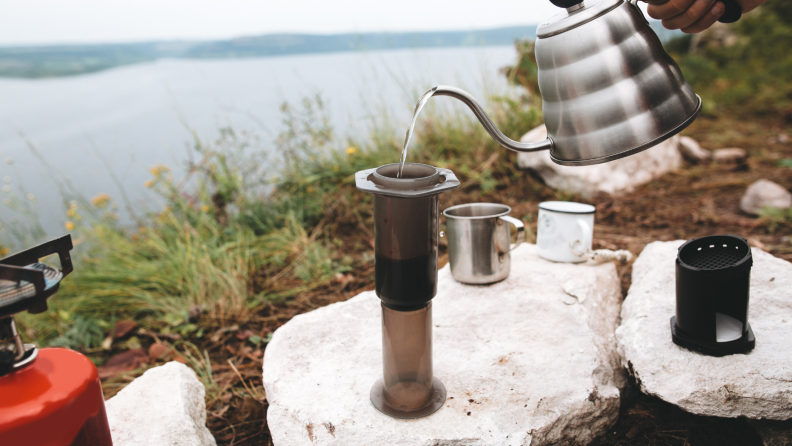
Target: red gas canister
56, 400
48, 397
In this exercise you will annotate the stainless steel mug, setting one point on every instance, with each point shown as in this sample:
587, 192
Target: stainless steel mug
478, 241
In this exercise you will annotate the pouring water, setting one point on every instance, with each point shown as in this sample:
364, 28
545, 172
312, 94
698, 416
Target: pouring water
421, 102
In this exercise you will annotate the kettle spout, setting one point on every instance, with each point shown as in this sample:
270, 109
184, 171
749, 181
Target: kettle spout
489, 126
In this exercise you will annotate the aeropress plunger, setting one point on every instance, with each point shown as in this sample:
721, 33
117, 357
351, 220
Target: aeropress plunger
406, 212
713, 277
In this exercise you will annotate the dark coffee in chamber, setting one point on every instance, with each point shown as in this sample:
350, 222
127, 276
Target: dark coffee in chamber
408, 283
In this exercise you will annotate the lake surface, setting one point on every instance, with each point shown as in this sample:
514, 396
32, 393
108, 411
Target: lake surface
137, 116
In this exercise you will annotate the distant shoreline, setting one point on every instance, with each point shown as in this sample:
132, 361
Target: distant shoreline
33, 62
69, 60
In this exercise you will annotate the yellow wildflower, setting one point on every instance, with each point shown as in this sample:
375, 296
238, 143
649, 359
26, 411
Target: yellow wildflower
205, 208
335, 168
143, 230
69, 226
101, 200
70, 212
309, 189
154, 170
4, 251
149, 183
351, 150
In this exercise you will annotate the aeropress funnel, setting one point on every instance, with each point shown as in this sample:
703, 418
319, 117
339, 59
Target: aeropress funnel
713, 278
406, 213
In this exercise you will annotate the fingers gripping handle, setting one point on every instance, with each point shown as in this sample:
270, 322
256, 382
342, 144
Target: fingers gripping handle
732, 12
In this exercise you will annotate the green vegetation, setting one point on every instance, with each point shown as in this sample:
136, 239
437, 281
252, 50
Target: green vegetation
743, 68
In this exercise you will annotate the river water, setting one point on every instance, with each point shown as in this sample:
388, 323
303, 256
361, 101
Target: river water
126, 119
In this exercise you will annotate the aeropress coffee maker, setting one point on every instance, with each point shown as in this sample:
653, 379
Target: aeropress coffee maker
713, 279
406, 213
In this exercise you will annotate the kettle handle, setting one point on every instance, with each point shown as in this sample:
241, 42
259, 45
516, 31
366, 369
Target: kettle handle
489, 126
732, 13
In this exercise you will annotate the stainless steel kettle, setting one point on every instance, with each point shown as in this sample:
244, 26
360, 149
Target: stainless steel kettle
609, 89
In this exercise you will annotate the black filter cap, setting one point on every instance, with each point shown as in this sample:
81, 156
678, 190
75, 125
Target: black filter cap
713, 279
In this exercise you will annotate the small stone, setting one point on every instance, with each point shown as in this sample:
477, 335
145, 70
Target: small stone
520, 365
764, 193
163, 407
753, 385
195, 312
730, 156
615, 177
692, 151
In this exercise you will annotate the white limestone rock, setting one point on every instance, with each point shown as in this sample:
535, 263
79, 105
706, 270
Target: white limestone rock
733, 155
692, 151
620, 176
753, 385
163, 407
527, 361
764, 193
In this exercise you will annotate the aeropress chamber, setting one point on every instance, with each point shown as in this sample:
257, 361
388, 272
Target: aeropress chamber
713, 278
406, 213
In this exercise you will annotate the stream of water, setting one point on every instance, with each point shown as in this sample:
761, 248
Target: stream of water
418, 106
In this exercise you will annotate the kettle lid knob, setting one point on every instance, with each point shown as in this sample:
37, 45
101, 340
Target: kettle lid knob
566, 3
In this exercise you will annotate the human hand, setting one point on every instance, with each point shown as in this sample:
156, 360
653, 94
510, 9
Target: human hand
693, 16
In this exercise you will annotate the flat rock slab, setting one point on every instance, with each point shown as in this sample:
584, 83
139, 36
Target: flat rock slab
615, 177
527, 361
753, 385
163, 407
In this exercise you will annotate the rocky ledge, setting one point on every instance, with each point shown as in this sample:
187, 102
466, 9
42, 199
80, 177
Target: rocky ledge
753, 385
529, 360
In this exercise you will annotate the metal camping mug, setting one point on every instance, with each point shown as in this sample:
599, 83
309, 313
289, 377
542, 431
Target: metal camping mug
564, 226
478, 241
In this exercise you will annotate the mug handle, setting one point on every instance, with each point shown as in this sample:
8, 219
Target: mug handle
520, 230
585, 239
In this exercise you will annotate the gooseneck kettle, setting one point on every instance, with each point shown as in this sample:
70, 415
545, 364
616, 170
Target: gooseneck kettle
609, 89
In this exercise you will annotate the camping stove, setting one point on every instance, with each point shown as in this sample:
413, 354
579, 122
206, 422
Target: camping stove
51, 396
406, 212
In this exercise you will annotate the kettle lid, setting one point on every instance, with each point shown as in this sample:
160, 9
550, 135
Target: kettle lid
577, 13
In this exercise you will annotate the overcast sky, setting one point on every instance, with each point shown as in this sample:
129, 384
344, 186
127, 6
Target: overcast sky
98, 21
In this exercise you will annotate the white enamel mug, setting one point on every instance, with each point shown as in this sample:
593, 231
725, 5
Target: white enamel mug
562, 223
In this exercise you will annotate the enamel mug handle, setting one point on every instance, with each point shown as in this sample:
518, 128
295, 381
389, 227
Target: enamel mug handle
520, 230
587, 234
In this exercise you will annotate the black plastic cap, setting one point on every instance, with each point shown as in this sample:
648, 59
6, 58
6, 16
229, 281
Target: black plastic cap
566, 3
733, 12
713, 279
742, 345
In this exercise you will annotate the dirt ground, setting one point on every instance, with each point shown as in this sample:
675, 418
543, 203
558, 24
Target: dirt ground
697, 200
